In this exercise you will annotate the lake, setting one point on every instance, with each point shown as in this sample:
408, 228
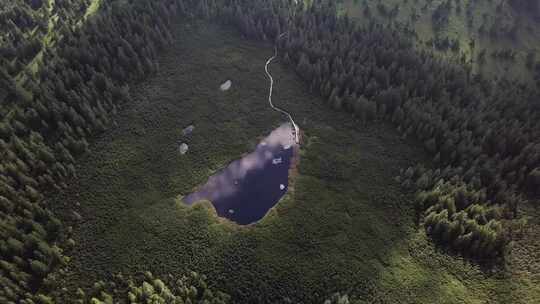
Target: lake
249, 187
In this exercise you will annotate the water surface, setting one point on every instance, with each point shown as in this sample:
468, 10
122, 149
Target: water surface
247, 188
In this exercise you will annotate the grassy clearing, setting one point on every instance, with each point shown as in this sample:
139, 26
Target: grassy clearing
346, 227
92, 8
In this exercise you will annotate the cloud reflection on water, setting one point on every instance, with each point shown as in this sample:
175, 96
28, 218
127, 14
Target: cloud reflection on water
228, 182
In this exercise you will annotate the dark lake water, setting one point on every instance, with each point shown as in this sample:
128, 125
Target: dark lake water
248, 187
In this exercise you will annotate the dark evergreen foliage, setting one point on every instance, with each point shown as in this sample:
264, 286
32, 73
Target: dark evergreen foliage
147, 288
74, 95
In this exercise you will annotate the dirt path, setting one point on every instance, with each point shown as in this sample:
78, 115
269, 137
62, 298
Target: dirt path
295, 127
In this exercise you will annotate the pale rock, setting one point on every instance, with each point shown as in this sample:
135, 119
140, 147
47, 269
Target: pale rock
183, 148
226, 85
188, 130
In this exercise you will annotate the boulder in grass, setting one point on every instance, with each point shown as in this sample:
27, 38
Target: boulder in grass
188, 130
183, 148
226, 85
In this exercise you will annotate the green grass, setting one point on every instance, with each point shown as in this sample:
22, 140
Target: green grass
346, 225
92, 8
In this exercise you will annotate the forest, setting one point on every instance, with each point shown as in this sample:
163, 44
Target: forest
493, 37
70, 69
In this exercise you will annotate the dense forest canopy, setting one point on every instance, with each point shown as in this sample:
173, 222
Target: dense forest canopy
494, 37
66, 70
531, 7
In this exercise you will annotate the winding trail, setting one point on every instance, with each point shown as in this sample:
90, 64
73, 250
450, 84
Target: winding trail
295, 126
